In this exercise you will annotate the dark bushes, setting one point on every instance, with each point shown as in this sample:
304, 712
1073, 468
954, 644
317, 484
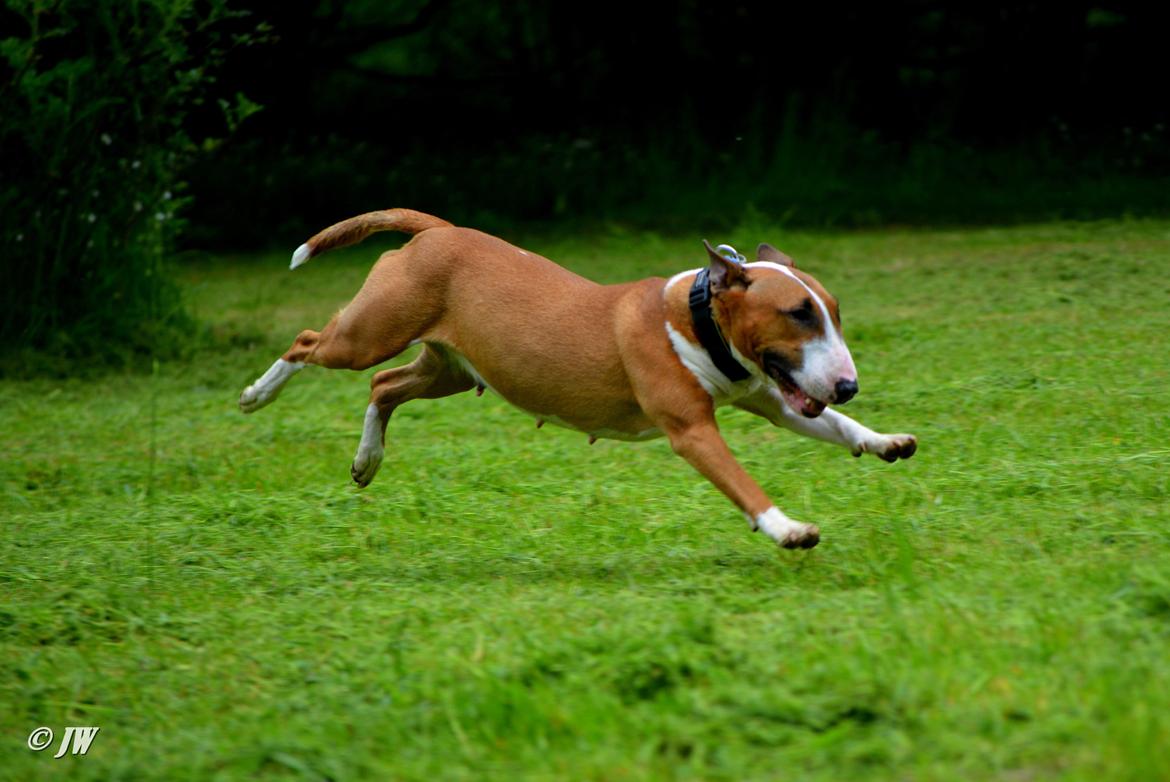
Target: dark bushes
100, 99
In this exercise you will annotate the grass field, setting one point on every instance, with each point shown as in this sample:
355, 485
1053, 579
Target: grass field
506, 603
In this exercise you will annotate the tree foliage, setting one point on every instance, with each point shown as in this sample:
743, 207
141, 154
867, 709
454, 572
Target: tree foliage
98, 98
848, 112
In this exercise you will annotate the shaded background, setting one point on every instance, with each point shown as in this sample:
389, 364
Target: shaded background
133, 131
826, 113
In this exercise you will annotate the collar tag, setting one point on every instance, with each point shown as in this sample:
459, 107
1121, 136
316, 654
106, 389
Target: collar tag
728, 252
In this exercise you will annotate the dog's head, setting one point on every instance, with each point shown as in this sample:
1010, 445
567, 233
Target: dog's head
786, 323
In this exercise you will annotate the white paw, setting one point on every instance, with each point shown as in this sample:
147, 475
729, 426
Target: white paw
253, 398
889, 447
807, 536
365, 466
785, 531
368, 458
268, 385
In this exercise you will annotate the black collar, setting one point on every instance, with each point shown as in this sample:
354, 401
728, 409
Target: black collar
707, 330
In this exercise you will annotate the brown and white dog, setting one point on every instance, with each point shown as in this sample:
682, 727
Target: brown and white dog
630, 362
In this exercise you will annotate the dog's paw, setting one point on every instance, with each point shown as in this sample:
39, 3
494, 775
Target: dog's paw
890, 447
365, 467
787, 532
252, 399
806, 537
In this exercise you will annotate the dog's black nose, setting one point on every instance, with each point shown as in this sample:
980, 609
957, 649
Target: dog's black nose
844, 391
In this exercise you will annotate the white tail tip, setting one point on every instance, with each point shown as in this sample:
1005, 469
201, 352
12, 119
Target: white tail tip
301, 256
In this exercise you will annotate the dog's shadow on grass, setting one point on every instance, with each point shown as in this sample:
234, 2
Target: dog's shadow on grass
674, 569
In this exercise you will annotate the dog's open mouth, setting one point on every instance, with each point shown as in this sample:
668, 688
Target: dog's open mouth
796, 399
800, 401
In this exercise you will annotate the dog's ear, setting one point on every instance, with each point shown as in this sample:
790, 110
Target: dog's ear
723, 272
766, 252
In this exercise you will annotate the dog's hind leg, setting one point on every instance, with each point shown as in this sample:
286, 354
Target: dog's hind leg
360, 336
430, 376
267, 386
394, 307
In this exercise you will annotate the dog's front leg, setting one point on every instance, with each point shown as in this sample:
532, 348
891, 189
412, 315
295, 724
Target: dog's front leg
703, 446
832, 427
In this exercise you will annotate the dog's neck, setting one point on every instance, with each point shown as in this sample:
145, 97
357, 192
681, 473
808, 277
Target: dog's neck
707, 330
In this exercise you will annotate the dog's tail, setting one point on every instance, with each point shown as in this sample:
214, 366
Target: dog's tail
355, 229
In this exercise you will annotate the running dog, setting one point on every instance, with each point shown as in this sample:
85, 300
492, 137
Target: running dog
631, 361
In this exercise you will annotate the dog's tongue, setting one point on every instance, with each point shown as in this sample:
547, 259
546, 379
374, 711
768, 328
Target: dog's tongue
803, 403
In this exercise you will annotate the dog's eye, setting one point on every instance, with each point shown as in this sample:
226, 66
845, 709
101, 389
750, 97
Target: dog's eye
802, 314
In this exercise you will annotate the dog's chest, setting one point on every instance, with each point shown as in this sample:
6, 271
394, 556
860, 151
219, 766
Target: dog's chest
723, 390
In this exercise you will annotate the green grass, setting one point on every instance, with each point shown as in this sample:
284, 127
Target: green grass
504, 602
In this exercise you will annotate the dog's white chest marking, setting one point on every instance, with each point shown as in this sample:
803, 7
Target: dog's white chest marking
722, 389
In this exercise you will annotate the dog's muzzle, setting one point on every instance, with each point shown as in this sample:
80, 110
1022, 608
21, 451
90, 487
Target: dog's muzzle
844, 391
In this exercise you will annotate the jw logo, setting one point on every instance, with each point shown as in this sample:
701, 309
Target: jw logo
76, 738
